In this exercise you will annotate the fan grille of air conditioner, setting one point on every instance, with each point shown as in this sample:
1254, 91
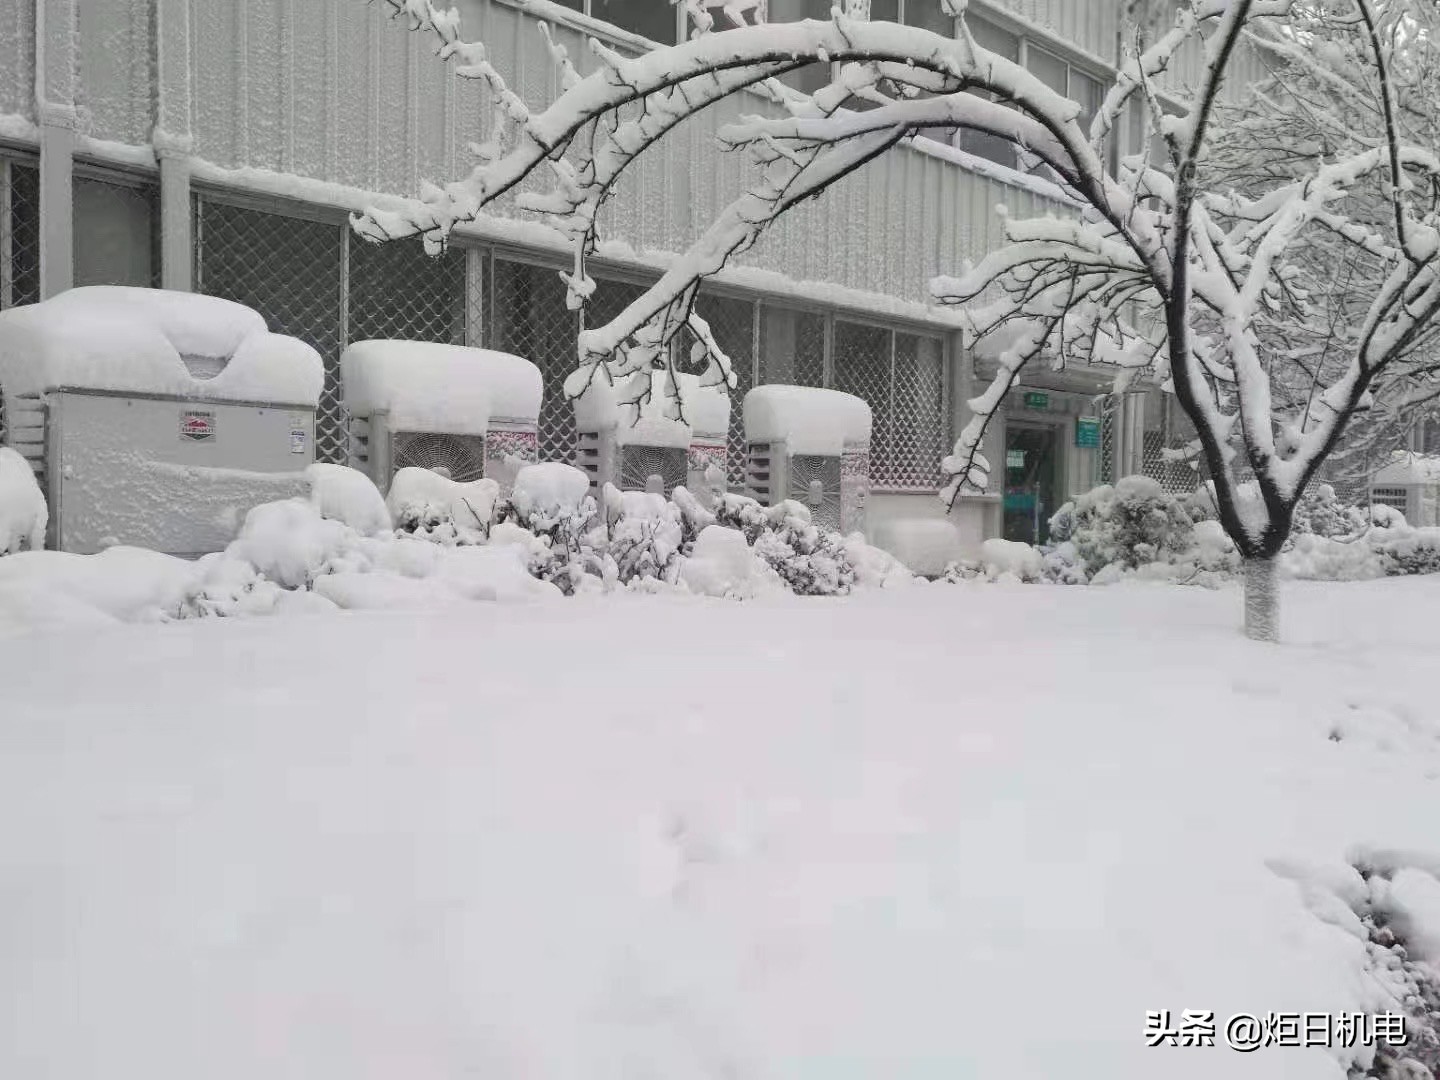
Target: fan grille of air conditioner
462, 457
639, 463
812, 474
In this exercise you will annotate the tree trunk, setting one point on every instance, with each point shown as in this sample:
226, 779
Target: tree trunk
1262, 599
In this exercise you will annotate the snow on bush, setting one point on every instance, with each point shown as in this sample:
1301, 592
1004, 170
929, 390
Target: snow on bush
341, 493
723, 564
1132, 523
1320, 512
434, 507
23, 513
645, 532
1407, 550
333, 550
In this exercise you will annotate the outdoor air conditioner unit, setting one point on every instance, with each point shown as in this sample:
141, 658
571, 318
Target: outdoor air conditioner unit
812, 446
653, 452
1409, 483
155, 419
462, 412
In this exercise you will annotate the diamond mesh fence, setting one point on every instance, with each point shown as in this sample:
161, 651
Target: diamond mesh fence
1109, 426
732, 324
810, 350
397, 291
289, 270
19, 233
19, 241
917, 421
863, 367
528, 317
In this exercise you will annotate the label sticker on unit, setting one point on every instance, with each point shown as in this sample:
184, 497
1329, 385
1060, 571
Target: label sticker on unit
297, 440
197, 426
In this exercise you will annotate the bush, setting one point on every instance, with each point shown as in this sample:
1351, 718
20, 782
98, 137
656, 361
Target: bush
1320, 512
1407, 551
1133, 523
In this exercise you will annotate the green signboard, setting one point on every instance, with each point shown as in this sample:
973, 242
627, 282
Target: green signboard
1087, 433
1036, 400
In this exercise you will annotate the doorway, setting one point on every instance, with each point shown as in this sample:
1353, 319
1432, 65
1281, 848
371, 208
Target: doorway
1032, 481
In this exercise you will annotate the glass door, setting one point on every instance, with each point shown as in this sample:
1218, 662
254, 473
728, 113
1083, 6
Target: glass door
1032, 481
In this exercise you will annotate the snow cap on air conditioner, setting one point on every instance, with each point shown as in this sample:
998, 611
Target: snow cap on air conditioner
601, 408
154, 342
811, 420
429, 386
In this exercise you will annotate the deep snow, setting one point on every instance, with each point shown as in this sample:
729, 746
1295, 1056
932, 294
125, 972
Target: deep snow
946, 831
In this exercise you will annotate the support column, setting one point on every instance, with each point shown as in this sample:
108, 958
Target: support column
177, 245
56, 27
173, 143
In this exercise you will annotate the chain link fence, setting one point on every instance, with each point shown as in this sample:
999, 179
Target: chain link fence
917, 417
291, 270
395, 290
1109, 411
311, 277
1172, 433
19, 241
528, 317
864, 365
732, 324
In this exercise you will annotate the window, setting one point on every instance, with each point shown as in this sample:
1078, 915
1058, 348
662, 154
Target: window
991, 147
655, 20
926, 14
117, 236
812, 76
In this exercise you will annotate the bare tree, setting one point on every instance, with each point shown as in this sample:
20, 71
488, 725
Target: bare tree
1157, 274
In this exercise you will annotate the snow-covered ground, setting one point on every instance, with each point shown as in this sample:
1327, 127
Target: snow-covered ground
936, 832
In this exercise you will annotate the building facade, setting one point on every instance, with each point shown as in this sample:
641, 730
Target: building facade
218, 146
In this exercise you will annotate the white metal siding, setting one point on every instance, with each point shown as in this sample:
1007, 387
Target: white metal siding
17, 58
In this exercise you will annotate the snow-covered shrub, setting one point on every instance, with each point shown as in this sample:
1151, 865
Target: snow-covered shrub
1213, 551
1320, 512
810, 560
1132, 523
552, 500
291, 544
341, 493
1320, 558
722, 564
1005, 559
876, 568
644, 534
436, 508
1407, 550
23, 513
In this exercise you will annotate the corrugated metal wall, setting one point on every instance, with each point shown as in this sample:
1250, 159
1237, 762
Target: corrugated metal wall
17, 58
334, 90
1090, 24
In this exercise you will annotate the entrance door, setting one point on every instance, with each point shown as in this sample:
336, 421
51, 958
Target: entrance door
1031, 482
